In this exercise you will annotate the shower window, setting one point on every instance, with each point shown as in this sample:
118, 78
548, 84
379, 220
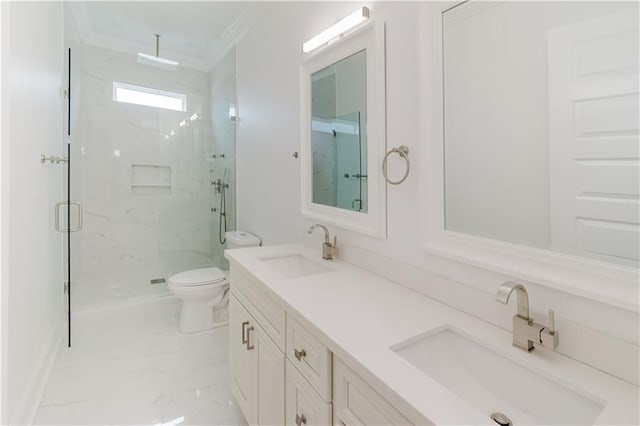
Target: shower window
139, 95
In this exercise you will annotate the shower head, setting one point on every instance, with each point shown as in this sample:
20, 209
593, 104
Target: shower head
157, 61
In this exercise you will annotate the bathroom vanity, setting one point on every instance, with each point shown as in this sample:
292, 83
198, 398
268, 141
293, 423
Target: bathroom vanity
317, 341
282, 372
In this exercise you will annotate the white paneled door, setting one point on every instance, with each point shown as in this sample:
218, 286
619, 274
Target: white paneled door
593, 136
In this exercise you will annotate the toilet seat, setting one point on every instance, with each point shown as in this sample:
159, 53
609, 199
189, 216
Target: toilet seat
198, 277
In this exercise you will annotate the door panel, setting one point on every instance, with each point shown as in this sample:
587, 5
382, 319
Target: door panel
594, 145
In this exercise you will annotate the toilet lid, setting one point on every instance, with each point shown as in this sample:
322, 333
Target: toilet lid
198, 277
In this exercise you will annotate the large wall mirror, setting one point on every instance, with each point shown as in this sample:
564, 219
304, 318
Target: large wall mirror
343, 132
541, 125
531, 156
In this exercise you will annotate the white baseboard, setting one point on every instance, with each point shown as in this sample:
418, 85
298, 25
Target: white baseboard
29, 401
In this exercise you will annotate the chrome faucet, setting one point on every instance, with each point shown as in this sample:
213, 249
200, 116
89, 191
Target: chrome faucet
329, 250
526, 333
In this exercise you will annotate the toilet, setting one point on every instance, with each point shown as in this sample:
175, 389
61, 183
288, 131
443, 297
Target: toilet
241, 239
205, 292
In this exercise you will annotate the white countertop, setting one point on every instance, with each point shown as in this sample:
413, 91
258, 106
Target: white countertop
359, 316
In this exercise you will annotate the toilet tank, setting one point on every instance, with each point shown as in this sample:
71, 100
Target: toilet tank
240, 239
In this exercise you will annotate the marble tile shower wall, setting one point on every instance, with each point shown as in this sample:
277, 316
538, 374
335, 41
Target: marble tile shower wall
223, 136
135, 234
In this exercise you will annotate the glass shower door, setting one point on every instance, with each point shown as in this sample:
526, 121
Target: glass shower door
68, 213
348, 162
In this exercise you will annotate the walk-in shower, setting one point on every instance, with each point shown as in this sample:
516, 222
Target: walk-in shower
146, 146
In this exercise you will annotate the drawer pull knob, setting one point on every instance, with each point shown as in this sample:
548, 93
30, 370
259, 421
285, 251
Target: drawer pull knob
299, 354
301, 420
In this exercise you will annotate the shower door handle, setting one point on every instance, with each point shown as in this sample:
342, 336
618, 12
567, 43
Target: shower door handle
60, 204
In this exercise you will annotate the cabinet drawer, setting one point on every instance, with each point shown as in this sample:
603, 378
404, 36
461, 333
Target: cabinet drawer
310, 357
356, 403
304, 406
255, 297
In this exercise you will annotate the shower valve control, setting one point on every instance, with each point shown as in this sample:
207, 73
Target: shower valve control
219, 185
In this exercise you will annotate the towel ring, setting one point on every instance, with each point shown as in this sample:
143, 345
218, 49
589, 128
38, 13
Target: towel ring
402, 151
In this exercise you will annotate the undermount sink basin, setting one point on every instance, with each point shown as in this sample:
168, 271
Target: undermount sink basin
492, 383
295, 265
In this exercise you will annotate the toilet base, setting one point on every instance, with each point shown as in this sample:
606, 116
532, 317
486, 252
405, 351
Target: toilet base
199, 316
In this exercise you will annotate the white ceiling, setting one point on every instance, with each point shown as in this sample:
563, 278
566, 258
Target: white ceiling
195, 34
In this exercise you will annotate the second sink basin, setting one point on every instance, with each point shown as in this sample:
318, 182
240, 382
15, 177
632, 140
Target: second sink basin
295, 265
492, 383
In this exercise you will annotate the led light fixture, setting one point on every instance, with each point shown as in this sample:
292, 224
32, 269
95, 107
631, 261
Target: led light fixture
336, 30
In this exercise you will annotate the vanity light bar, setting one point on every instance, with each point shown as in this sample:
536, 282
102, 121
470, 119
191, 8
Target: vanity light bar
336, 30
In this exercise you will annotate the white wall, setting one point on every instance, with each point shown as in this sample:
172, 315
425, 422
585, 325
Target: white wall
32, 82
269, 59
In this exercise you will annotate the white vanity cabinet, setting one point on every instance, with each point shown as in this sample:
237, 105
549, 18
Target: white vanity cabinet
257, 362
283, 374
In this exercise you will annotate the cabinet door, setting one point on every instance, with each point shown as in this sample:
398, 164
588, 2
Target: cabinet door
270, 361
356, 403
304, 405
242, 361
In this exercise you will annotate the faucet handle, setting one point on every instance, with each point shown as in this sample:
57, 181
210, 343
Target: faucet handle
549, 336
552, 322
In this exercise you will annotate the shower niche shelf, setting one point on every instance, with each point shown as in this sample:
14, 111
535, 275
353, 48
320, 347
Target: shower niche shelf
150, 179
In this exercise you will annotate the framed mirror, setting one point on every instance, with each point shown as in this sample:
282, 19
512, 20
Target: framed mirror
531, 161
343, 132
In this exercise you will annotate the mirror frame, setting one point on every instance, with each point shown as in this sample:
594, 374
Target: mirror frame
608, 283
369, 37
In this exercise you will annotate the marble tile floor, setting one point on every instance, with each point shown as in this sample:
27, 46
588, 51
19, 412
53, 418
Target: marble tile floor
131, 366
